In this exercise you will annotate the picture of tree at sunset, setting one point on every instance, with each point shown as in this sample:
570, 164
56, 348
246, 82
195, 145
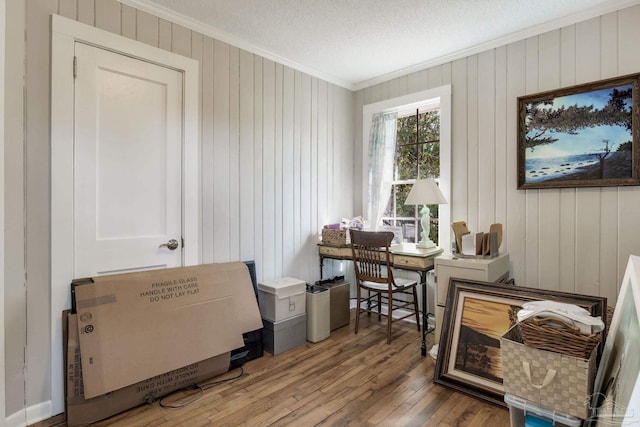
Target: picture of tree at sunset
482, 324
478, 315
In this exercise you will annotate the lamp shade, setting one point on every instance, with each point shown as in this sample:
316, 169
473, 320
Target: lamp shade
425, 192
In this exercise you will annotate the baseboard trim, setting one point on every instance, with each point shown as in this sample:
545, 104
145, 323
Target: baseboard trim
17, 419
31, 415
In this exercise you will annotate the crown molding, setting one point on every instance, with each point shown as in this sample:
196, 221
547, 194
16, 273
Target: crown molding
208, 30
602, 9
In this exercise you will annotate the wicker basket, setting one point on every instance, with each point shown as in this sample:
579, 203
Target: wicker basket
555, 381
555, 335
334, 237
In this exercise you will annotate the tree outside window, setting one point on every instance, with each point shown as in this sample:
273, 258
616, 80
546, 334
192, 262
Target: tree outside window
417, 156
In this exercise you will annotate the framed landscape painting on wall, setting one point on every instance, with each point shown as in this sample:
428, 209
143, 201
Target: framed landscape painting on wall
580, 136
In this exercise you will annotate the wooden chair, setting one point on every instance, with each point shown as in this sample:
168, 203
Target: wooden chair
372, 264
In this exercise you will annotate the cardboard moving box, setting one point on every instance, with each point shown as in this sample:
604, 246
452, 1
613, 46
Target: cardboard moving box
136, 326
81, 411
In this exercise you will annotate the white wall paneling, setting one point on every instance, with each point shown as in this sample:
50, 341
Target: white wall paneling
14, 295
2, 196
574, 240
277, 161
274, 166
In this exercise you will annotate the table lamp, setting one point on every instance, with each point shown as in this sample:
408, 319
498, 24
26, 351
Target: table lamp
425, 192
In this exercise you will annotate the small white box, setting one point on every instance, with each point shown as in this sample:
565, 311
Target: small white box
284, 335
521, 411
282, 298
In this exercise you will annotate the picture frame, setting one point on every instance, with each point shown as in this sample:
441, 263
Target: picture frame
616, 397
580, 136
478, 313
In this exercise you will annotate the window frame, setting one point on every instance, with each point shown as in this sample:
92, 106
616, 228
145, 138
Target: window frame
419, 100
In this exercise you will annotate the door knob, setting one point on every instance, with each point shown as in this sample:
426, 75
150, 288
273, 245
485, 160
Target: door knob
171, 244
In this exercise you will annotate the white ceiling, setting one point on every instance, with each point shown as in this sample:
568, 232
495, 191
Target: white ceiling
357, 43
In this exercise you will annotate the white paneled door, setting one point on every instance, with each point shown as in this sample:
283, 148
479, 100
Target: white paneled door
127, 163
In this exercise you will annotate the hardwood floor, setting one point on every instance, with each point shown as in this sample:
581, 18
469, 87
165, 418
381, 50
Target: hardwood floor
345, 380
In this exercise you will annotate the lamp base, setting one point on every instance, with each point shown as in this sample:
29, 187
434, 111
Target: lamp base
425, 244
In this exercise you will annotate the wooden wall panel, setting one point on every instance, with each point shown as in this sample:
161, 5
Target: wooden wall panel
305, 172
588, 199
286, 167
270, 254
514, 228
206, 148
629, 197
532, 197
221, 167
459, 179
14, 321
107, 15
68, 8
549, 233
567, 215
86, 12
236, 164
128, 21
473, 167
597, 228
279, 226
574, 240
609, 203
164, 34
258, 108
37, 96
312, 152
147, 28
628, 36
274, 168
246, 161
299, 99
486, 175
501, 140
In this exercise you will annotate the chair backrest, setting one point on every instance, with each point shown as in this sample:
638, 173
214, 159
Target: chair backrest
370, 252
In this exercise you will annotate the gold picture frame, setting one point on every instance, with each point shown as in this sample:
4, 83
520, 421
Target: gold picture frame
469, 355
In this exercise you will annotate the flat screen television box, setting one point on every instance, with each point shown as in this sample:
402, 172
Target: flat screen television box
188, 315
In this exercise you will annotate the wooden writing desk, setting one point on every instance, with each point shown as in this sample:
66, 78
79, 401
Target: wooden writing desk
404, 256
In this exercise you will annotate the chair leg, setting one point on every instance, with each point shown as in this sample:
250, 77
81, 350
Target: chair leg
416, 309
379, 306
357, 308
389, 316
368, 303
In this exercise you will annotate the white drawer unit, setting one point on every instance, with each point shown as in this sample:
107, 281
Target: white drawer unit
400, 261
481, 269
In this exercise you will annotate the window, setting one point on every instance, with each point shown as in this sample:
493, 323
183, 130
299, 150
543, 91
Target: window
422, 150
417, 155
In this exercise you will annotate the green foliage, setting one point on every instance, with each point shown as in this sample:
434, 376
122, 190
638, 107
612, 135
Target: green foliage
542, 119
625, 146
417, 156
418, 146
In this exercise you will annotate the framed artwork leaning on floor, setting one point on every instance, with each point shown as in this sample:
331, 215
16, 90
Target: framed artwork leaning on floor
616, 397
479, 313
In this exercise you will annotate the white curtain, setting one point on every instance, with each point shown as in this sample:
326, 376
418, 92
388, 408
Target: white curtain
382, 145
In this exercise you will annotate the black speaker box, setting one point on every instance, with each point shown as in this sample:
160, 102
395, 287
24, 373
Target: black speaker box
253, 347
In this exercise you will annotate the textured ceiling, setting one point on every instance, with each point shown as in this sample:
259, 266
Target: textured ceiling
355, 43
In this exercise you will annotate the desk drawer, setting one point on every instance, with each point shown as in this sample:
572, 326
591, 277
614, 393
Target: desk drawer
331, 251
412, 261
